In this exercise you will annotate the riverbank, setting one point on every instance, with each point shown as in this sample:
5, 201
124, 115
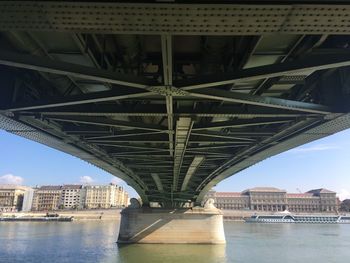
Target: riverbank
114, 214
101, 214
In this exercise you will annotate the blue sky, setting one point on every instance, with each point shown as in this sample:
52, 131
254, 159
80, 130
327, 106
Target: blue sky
323, 163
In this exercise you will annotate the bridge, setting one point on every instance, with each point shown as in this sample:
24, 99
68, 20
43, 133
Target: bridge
174, 97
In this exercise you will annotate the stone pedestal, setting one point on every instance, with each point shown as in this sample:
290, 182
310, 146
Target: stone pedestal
158, 225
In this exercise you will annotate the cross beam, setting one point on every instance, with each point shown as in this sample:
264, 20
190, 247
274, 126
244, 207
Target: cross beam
94, 97
155, 110
269, 102
109, 122
43, 64
308, 63
182, 134
167, 56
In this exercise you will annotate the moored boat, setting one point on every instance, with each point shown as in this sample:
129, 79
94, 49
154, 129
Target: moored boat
37, 219
289, 218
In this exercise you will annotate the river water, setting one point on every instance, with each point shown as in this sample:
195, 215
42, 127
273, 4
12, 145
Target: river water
95, 242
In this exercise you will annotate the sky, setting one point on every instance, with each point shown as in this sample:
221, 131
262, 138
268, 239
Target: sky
324, 163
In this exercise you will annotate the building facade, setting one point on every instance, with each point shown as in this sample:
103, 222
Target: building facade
11, 197
47, 198
54, 197
273, 200
122, 197
105, 196
72, 197
28, 200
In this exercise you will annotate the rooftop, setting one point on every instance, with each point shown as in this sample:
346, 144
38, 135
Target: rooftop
299, 195
228, 194
50, 187
321, 191
13, 187
72, 186
265, 189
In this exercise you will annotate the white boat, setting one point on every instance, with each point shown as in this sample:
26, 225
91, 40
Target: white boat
289, 218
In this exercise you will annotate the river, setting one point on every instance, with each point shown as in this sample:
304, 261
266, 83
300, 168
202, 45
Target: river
94, 241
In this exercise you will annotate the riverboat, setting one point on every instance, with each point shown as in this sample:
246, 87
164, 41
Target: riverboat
289, 218
36, 219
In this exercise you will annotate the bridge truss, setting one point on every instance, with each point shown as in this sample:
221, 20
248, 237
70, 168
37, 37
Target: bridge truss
173, 97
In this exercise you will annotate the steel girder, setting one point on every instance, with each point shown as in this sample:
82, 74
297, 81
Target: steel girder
176, 19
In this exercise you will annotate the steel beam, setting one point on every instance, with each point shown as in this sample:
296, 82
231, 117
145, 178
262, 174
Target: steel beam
128, 146
242, 133
196, 162
95, 97
155, 110
308, 63
109, 123
120, 134
158, 182
262, 18
206, 147
225, 136
68, 69
269, 102
236, 124
167, 57
182, 134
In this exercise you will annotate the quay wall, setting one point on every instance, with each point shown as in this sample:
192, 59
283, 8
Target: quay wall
103, 214
114, 214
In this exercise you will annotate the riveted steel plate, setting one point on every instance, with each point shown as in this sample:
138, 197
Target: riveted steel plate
178, 19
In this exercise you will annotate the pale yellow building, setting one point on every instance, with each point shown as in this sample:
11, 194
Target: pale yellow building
122, 197
11, 197
105, 196
47, 198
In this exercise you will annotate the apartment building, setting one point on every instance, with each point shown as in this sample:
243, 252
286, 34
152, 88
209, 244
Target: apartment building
47, 198
72, 197
11, 197
105, 196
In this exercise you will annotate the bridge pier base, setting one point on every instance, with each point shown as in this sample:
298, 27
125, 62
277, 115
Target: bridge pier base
158, 225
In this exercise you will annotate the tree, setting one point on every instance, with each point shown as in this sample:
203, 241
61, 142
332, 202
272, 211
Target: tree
345, 205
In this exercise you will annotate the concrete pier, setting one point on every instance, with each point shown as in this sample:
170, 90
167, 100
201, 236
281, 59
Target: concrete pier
157, 225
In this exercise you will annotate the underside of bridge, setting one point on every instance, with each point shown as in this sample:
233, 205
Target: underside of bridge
174, 97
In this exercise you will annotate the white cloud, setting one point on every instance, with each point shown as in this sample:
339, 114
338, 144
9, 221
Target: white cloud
315, 148
115, 180
343, 194
11, 179
86, 179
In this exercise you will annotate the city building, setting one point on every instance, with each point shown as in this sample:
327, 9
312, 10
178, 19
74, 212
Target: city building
266, 199
54, 197
28, 200
105, 196
274, 199
11, 197
122, 197
72, 197
47, 198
